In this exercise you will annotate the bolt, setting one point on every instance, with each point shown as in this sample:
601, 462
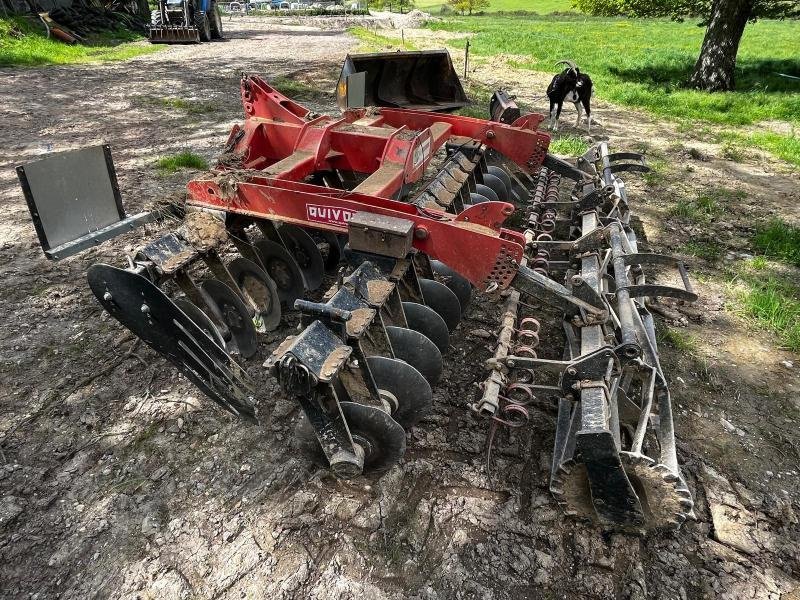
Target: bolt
108, 297
490, 134
577, 280
572, 371
145, 309
421, 233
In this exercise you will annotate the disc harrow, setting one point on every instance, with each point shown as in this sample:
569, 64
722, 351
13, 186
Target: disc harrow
402, 212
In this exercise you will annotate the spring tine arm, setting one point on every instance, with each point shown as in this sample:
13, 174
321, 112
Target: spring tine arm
531, 283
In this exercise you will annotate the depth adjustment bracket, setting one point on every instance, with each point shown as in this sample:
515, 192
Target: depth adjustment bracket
594, 366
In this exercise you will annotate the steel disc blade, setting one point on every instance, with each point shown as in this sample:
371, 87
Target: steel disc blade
306, 254
201, 319
235, 315
460, 286
476, 199
258, 289
428, 322
383, 438
283, 270
144, 309
497, 186
486, 192
501, 173
404, 382
442, 299
417, 350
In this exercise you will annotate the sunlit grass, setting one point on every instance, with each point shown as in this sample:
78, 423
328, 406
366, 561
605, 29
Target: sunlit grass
679, 339
298, 90
371, 41
542, 7
784, 146
766, 297
182, 160
23, 43
645, 63
568, 145
779, 240
706, 205
710, 251
192, 107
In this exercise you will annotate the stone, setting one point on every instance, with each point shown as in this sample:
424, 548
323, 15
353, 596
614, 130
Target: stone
732, 522
10, 509
482, 333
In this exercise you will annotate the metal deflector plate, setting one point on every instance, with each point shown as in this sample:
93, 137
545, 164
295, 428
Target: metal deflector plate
74, 200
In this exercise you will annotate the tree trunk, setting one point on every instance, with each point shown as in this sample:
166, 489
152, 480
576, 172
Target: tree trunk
715, 68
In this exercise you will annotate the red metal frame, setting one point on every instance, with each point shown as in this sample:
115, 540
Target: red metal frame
282, 143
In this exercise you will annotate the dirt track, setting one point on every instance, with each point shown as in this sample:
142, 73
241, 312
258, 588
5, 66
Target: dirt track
118, 480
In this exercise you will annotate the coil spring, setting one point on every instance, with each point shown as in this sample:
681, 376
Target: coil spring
542, 217
519, 395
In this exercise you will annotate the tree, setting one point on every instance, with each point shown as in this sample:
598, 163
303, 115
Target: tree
402, 6
468, 6
724, 21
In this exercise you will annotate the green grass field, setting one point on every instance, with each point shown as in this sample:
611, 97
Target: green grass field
22, 43
542, 7
182, 160
643, 63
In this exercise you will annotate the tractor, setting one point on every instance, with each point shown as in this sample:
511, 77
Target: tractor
185, 21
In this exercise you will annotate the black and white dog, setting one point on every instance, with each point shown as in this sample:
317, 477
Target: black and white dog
573, 86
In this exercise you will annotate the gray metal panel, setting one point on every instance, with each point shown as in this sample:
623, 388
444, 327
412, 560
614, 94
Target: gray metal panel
74, 194
356, 90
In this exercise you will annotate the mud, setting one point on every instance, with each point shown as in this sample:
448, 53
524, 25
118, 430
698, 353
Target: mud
119, 480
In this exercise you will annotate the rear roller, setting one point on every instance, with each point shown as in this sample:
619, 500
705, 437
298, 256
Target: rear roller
259, 291
666, 500
381, 437
441, 299
417, 350
234, 314
306, 253
283, 270
457, 284
200, 319
428, 322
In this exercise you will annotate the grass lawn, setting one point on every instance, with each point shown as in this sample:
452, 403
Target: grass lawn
769, 299
182, 160
542, 7
23, 43
642, 63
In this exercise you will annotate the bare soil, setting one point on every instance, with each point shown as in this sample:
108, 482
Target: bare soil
119, 480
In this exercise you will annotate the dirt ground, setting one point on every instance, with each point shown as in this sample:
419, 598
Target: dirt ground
118, 480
